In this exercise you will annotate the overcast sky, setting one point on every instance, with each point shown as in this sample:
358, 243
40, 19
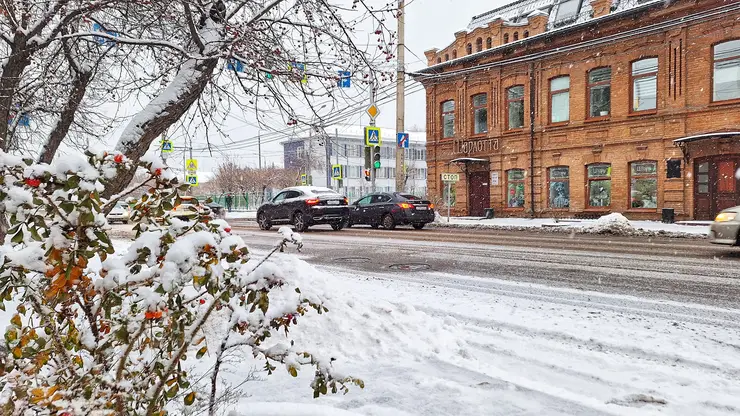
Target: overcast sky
429, 24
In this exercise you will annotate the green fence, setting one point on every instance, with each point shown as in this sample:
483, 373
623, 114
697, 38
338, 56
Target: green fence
238, 202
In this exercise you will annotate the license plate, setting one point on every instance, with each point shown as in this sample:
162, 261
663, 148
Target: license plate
332, 202
421, 208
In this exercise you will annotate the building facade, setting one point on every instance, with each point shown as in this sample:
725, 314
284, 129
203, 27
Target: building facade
578, 108
344, 146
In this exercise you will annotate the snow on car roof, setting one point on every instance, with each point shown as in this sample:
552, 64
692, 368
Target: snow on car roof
311, 189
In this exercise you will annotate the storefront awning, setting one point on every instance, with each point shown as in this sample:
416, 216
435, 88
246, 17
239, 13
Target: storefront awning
466, 160
684, 141
707, 136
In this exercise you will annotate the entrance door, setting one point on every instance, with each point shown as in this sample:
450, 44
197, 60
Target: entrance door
479, 193
716, 186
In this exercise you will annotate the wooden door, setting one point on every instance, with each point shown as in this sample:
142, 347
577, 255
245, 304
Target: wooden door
726, 189
716, 186
479, 193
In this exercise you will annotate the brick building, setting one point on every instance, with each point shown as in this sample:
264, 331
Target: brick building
584, 107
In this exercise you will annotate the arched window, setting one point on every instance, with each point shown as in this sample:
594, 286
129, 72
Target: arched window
726, 76
526, 33
644, 85
489, 43
439, 60
447, 57
644, 184
516, 36
448, 119
454, 54
599, 177
478, 44
469, 49
506, 38
599, 92
515, 107
515, 188
560, 99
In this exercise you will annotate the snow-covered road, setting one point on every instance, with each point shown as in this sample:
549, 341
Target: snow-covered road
439, 342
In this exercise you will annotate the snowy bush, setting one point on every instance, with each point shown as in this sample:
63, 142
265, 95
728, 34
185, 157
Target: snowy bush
101, 329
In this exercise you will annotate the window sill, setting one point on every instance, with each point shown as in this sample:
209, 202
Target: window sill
478, 135
724, 102
643, 113
514, 131
638, 210
559, 124
596, 119
509, 209
559, 209
598, 209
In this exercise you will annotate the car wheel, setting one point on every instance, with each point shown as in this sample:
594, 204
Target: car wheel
263, 222
299, 222
337, 226
419, 226
388, 222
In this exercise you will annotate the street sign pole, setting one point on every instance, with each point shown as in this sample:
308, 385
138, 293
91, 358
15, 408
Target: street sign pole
449, 184
400, 97
373, 174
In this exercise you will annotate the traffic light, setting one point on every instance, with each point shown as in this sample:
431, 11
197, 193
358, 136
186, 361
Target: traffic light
367, 175
368, 157
376, 157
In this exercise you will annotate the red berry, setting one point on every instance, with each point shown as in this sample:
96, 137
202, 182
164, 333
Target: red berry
118, 158
158, 172
33, 182
227, 229
202, 301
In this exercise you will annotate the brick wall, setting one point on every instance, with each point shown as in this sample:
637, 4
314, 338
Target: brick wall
684, 108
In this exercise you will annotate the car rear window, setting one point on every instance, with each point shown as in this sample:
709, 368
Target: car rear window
323, 191
410, 197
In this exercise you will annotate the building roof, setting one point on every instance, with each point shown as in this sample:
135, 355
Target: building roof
561, 18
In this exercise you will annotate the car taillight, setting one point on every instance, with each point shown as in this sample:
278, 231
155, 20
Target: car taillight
346, 201
431, 206
405, 205
312, 201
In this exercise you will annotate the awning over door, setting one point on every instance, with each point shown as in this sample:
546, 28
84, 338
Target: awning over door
684, 141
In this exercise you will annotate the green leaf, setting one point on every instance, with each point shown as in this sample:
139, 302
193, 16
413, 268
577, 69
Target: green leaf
293, 372
189, 399
173, 391
201, 352
18, 238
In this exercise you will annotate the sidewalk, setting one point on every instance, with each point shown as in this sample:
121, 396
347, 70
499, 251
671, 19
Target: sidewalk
609, 224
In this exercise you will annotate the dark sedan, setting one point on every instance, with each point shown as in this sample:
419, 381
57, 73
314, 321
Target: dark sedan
391, 209
304, 206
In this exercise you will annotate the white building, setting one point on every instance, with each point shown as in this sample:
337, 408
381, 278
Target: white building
345, 146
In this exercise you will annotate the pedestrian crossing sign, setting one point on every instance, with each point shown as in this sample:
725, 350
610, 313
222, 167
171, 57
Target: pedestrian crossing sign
191, 165
166, 146
192, 180
372, 136
336, 172
304, 179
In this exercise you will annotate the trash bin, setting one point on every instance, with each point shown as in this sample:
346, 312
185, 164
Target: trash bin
669, 215
488, 213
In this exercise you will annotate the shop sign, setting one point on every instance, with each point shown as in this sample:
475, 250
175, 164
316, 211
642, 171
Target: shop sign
474, 146
494, 179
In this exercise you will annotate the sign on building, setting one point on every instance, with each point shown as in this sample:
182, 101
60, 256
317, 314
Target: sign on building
450, 177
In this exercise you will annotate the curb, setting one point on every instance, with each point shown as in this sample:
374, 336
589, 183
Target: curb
555, 229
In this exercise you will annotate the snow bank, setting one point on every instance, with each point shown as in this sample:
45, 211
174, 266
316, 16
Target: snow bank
614, 223
290, 409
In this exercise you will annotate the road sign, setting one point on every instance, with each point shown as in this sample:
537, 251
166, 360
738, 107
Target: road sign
304, 179
373, 111
191, 165
166, 146
235, 65
402, 139
336, 172
450, 177
372, 136
299, 71
345, 80
192, 180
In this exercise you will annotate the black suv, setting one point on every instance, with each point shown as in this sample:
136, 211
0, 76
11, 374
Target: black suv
391, 209
304, 206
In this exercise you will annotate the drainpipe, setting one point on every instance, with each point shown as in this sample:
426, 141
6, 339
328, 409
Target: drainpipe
532, 101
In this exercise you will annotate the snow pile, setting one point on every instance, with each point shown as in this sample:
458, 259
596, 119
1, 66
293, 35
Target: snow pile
614, 223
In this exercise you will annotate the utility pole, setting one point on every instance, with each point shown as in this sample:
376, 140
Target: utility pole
400, 98
327, 143
259, 149
373, 174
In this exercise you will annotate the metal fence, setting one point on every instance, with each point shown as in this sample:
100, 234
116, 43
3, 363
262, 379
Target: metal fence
239, 202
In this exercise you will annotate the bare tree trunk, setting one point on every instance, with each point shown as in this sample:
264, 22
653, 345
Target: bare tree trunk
18, 61
79, 88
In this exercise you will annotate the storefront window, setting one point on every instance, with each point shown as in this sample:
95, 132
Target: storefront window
727, 71
599, 92
560, 187
644, 185
480, 114
645, 84
448, 119
515, 107
560, 100
515, 187
599, 185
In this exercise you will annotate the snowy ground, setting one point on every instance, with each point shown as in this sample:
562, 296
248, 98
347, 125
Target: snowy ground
429, 343
693, 228
235, 215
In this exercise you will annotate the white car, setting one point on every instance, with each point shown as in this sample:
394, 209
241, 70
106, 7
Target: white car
120, 213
